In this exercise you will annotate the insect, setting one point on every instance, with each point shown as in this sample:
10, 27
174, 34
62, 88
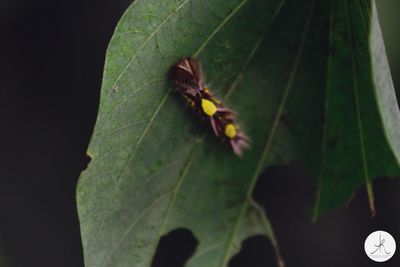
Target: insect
188, 77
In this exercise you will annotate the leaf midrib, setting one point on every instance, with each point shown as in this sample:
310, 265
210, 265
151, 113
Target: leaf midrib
324, 137
324, 130
358, 114
202, 46
265, 152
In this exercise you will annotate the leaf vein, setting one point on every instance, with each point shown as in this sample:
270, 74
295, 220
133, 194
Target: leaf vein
325, 128
133, 224
266, 149
133, 153
358, 114
146, 42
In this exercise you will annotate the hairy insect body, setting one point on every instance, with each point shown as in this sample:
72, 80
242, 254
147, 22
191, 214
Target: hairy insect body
188, 77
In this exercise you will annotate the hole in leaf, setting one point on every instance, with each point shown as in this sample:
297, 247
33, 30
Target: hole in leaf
175, 248
256, 251
287, 194
85, 163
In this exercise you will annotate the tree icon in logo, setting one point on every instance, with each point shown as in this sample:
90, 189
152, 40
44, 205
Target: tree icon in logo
380, 246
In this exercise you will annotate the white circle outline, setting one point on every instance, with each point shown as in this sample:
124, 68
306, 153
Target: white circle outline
380, 246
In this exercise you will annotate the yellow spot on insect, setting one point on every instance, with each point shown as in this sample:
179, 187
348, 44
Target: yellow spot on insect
230, 130
208, 106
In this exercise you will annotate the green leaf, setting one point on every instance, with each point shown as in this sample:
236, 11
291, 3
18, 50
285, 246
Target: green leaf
362, 129
4, 260
310, 82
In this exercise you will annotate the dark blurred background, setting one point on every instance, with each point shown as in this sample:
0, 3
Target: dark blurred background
51, 60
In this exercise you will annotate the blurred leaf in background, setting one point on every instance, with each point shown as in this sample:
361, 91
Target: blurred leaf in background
389, 11
4, 258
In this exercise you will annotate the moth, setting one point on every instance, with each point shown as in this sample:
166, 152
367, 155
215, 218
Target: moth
188, 77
